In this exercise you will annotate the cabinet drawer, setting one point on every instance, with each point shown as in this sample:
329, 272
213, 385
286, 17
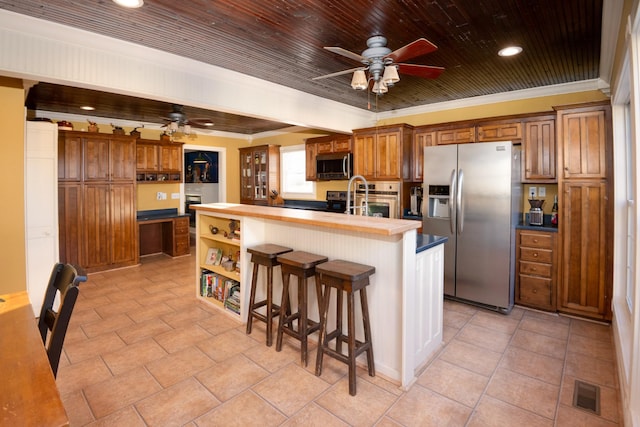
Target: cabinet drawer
181, 225
535, 269
535, 254
535, 291
536, 240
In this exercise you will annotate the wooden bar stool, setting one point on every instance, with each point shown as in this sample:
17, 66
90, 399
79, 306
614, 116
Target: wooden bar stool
267, 256
347, 277
303, 266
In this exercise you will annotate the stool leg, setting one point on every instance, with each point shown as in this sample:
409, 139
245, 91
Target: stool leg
283, 303
340, 334
367, 331
323, 304
269, 305
351, 343
252, 298
302, 318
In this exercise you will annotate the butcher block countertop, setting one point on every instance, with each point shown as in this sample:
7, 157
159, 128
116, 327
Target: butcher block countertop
337, 221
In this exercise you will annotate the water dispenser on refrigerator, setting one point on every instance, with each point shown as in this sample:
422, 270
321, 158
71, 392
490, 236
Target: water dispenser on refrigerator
438, 204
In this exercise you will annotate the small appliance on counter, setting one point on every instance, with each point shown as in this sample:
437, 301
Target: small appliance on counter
336, 201
416, 201
536, 216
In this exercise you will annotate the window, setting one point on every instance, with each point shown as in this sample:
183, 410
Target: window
293, 174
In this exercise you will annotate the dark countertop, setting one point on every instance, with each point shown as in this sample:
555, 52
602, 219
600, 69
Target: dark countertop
544, 227
427, 241
155, 214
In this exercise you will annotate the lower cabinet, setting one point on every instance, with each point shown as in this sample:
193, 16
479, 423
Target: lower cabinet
536, 273
176, 240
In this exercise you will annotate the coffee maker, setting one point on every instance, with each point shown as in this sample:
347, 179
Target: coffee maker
416, 201
536, 216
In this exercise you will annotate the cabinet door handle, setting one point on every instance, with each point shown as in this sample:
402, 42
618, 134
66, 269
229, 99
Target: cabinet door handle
535, 254
535, 291
535, 240
533, 269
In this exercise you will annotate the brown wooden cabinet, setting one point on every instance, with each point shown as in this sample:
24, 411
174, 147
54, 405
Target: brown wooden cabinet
421, 138
327, 144
383, 153
97, 214
311, 151
539, 150
536, 269
158, 161
259, 174
506, 130
179, 242
586, 209
456, 135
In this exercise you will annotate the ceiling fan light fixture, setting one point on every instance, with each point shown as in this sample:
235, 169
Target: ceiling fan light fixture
390, 76
129, 3
510, 51
379, 88
359, 80
186, 129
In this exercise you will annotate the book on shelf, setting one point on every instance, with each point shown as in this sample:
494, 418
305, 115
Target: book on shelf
232, 300
214, 256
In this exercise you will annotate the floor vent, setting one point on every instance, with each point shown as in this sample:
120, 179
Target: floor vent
587, 396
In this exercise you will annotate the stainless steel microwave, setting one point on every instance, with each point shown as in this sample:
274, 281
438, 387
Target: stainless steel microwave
334, 166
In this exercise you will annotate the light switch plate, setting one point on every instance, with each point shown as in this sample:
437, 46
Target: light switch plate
542, 191
175, 196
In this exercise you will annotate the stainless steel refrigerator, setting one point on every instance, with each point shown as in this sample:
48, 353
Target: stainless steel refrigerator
472, 194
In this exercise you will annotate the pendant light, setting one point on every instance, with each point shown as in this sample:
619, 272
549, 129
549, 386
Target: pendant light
359, 80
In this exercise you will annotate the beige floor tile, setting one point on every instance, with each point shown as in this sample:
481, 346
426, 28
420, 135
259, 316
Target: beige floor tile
144, 330
313, 415
569, 416
609, 399
244, 410
534, 365
186, 316
74, 333
82, 314
492, 412
117, 392
92, 347
133, 356
545, 326
132, 293
454, 382
423, 407
388, 422
184, 337
448, 333
273, 360
524, 392
459, 307
111, 309
591, 330
483, 337
290, 389
77, 409
368, 405
80, 375
148, 312
472, 357
109, 324
124, 417
332, 370
379, 380
538, 343
226, 345
177, 404
227, 380
455, 319
219, 323
179, 366
591, 369
497, 321
592, 347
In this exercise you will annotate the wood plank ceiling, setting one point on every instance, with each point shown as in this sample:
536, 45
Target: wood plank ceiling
282, 41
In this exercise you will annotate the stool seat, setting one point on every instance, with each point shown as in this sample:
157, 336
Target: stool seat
347, 277
302, 265
266, 255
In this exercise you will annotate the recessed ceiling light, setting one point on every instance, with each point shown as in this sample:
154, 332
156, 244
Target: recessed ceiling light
208, 124
87, 108
129, 3
510, 51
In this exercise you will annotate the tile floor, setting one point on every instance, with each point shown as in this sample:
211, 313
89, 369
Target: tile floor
141, 350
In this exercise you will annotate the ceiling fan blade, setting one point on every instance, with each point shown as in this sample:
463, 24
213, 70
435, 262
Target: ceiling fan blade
339, 73
346, 53
424, 71
414, 49
201, 122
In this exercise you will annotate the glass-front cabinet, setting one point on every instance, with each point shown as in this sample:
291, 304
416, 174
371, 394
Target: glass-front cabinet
260, 174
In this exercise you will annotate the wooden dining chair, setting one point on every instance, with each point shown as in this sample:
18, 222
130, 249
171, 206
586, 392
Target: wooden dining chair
63, 281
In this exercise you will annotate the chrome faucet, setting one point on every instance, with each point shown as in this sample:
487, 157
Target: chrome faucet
365, 204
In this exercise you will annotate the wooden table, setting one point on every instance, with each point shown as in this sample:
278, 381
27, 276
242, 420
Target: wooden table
28, 392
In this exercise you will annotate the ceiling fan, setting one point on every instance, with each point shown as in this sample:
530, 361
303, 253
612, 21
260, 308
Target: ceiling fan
177, 120
383, 64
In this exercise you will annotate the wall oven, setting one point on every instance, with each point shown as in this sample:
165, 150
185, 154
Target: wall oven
384, 198
191, 199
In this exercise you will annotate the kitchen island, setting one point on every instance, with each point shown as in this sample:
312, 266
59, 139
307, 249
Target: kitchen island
405, 295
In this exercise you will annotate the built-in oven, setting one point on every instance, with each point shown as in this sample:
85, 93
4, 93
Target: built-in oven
384, 199
191, 199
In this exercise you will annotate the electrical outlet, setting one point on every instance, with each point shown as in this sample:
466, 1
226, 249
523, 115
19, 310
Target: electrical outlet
175, 196
532, 192
159, 195
164, 196
542, 191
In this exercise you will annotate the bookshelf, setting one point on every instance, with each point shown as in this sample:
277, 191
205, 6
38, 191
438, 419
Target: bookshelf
218, 267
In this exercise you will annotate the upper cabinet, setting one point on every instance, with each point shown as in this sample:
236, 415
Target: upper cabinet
422, 137
505, 130
383, 153
328, 144
456, 135
158, 161
584, 143
539, 150
259, 174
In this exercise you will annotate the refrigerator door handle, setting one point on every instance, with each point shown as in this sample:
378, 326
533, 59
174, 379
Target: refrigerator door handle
459, 200
452, 199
